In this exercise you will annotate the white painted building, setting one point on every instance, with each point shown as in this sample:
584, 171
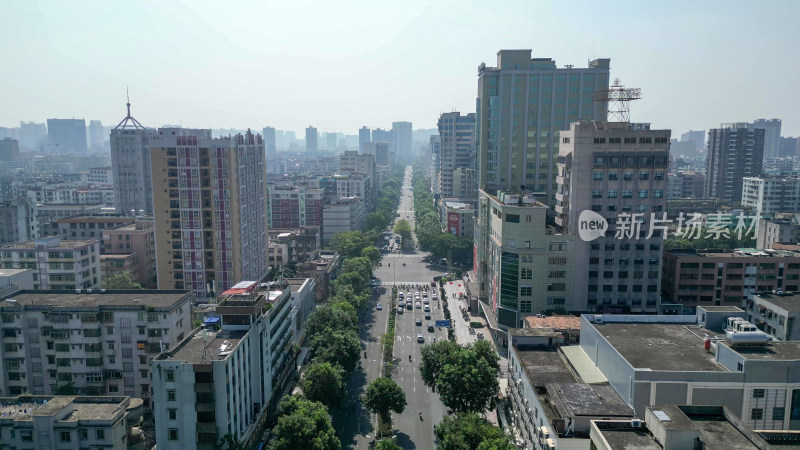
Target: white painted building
771, 195
56, 264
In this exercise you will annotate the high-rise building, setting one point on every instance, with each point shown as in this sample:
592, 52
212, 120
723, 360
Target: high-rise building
9, 149
465, 183
364, 136
210, 205
523, 103
32, 135
381, 135
789, 147
311, 139
68, 134
697, 137
772, 135
402, 137
97, 135
270, 142
436, 155
617, 171
734, 152
130, 161
457, 140
769, 196
383, 154
332, 142
18, 220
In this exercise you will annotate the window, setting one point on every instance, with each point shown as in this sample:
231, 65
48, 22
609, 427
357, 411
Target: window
526, 273
757, 414
627, 193
627, 175
597, 175
644, 175
66, 436
597, 193
613, 176
758, 393
171, 395
526, 291
173, 434
100, 434
612, 193
777, 413
170, 375
642, 193
84, 433
173, 414
658, 193
525, 306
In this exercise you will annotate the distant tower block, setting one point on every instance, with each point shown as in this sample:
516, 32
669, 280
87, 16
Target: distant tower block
618, 99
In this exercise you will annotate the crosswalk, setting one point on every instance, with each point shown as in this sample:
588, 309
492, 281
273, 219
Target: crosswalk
402, 255
398, 283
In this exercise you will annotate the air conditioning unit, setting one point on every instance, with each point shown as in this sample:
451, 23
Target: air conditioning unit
598, 319
102, 291
88, 291
636, 423
77, 291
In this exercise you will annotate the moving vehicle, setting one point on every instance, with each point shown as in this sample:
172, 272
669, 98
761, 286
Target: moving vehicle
418, 305
434, 296
418, 321
430, 328
379, 306
427, 308
427, 316
420, 338
400, 309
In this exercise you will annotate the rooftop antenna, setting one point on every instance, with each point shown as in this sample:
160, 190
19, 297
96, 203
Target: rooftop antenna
129, 121
618, 98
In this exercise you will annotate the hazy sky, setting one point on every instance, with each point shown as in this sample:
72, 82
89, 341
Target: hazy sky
339, 65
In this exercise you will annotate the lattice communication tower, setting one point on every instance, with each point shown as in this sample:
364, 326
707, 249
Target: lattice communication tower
618, 98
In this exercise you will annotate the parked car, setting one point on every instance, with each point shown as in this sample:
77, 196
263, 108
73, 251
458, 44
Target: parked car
430, 328
418, 321
428, 315
379, 306
400, 310
427, 308
418, 305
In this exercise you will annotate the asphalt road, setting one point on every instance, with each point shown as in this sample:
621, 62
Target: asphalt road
356, 425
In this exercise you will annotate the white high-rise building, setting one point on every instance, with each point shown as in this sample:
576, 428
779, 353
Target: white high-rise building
130, 161
402, 137
457, 140
769, 196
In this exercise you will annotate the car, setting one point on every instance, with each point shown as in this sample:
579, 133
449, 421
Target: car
430, 328
418, 321
408, 306
420, 338
400, 310
428, 315
418, 305
434, 296
427, 308
400, 296
379, 306
426, 301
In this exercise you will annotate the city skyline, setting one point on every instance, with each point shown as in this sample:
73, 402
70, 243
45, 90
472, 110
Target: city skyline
420, 70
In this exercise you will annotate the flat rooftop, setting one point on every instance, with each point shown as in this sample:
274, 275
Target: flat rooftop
660, 346
61, 245
205, 346
789, 302
83, 408
629, 438
69, 299
554, 322
11, 272
775, 351
579, 399
731, 309
544, 366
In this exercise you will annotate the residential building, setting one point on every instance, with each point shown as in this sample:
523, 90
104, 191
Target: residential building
351, 162
776, 313
734, 152
278, 253
698, 137
699, 205
523, 103
68, 134
323, 268
381, 151
300, 243
465, 183
90, 227
685, 185
136, 239
13, 280
56, 264
615, 171
785, 228
97, 135
779, 167
9, 149
311, 139
18, 221
47, 214
678, 427
101, 175
222, 379
303, 296
457, 218
364, 136
111, 264
569, 327
32, 135
522, 264
457, 140
130, 161
772, 135
121, 331
270, 143
713, 358
726, 277
769, 196
342, 215
356, 185
436, 155
401, 139
294, 205
331, 142
551, 405
381, 135
210, 203
71, 422
789, 147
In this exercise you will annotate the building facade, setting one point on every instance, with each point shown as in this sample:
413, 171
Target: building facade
734, 152
9, 149
270, 144
685, 185
56, 264
311, 139
342, 215
772, 135
130, 161
402, 137
18, 221
769, 196
68, 134
210, 203
364, 136
783, 229
457, 151
138, 239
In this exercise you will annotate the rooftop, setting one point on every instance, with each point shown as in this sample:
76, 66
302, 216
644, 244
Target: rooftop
554, 322
11, 272
24, 408
204, 346
544, 366
661, 346
579, 399
112, 298
787, 301
97, 219
52, 244
738, 253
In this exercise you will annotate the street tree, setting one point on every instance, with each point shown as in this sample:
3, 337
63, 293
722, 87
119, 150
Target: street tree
121, 280
403, 228
468, 385
334, 316
324, 383
375, 221
470, 432
383, 397
303, 425
387, 444
350, 243
434, 357
371, 253
340, 347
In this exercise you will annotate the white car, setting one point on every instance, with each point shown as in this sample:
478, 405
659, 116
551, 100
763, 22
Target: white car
379, 306
418, 305
426, 301
434, 296
427, 308
420, 338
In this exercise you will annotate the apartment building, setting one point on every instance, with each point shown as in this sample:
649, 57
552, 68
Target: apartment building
523, 266
300, 243
726, 277
293, 205
785, 228
221, 379
90, 227
458, 218
136, 239
71, 422
18, 221
465, 183
769, 196
775, 313
130, 163
685, 185
342, 215
210, 203
112, 264
616, 172
351, 162
99, 343
100, 175
734, 153
457, 140
322, 268
56, 264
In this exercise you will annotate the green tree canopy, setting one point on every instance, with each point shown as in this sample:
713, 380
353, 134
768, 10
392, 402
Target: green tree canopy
324, 383
434, 357
383, 397
303, 425
121, 280
350, 244
465, 377
342, 348
327, 318
387, 444
375, 221
403, 228
371, 253
470, 432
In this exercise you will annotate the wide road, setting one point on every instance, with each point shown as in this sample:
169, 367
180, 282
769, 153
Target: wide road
356, 426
